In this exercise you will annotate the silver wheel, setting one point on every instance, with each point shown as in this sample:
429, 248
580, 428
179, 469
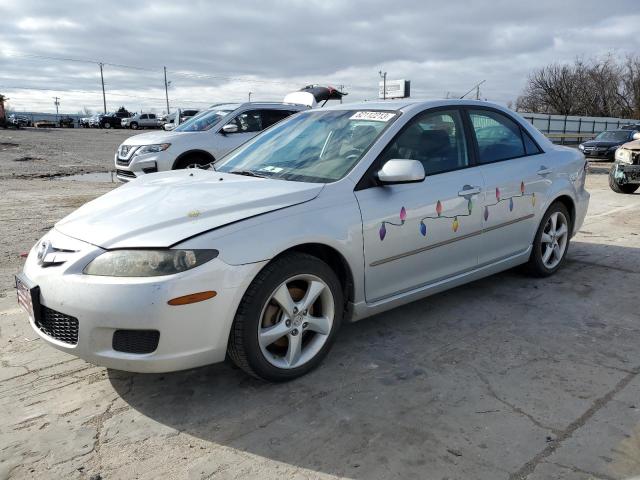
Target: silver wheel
296, 321
554, 239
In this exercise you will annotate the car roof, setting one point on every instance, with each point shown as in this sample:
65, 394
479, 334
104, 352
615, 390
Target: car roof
410, 104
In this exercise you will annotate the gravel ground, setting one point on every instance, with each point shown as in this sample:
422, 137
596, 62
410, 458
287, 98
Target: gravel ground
505, 378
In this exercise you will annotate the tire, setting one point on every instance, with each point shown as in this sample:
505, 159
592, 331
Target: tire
107, 125
133, 126
537, 266
270, 361
627, 188
191, 161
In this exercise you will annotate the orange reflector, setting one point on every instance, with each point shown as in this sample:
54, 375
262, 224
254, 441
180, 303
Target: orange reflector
192, 298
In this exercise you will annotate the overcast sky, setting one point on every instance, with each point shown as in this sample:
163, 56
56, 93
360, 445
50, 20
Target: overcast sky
221, 51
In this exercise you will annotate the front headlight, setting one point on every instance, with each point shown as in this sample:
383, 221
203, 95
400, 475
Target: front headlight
161, 147
623, 155
147, 263
581, 147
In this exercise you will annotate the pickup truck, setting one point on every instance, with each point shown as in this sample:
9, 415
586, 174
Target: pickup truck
141, 120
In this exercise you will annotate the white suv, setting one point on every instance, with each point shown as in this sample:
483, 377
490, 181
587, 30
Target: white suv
200, 140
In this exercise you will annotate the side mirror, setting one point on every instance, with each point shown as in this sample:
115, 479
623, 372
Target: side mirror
401, 171
229, 128
636, 136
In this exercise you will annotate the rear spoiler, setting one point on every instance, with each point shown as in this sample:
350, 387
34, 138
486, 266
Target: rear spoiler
312, 95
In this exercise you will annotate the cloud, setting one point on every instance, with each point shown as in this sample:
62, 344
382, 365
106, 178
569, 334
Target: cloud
271, 48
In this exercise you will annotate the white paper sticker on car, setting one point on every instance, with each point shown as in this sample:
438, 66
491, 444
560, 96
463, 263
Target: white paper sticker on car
376, 116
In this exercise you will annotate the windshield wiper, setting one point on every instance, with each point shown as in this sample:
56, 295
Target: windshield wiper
247, 173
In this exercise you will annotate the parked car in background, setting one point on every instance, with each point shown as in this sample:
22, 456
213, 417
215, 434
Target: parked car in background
624, 176
202, 139
141, 120
94, 121
170, 122
332, 215
114, 119
631, 126
606, 143
84, 122
20, 120
66, 122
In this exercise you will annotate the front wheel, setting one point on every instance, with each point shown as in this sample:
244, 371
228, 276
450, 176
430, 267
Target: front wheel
134, 126
287, 319
551, 242
618, 187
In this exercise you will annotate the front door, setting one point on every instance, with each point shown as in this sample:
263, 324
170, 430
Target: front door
249, 124
419, 233
516, 179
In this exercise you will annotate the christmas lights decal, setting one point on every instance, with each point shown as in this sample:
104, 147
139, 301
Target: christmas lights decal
500, 199
455, 224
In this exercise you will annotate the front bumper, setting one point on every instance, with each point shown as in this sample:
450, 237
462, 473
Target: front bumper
129, 169
625, 173
606, 154
582, 205
189, 335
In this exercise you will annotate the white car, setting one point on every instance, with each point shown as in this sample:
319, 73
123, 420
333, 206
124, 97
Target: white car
332, 215
141, 120
202, 139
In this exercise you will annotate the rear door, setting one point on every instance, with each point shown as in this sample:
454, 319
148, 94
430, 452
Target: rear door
419, 233
516, 177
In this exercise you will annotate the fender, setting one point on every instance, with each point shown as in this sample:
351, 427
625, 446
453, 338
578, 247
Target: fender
204, 153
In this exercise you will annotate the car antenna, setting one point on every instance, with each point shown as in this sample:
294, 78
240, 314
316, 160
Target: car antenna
472, 89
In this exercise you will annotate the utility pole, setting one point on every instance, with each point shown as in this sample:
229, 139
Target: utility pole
341, 89
56, 102
104, 98
383, 75
166, 89
250, 96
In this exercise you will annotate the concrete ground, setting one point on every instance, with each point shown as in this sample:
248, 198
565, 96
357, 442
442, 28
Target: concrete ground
505, 378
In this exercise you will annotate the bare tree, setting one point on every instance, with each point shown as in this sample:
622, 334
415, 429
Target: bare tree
604, 87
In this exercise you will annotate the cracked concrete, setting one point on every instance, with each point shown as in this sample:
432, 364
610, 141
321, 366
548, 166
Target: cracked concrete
507, 378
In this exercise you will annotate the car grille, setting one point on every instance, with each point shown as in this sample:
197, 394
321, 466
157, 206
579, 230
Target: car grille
58, 326
124, 163
135, 341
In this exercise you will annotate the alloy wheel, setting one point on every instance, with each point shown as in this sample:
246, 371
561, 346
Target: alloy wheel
296, 321
554, 240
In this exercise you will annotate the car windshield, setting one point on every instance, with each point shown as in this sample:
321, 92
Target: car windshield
613, 135
318, 146
205, 120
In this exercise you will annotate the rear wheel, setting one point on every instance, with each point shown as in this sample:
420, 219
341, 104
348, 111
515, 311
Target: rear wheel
107, 125
618, 187
551, 242
134, 126
287, 319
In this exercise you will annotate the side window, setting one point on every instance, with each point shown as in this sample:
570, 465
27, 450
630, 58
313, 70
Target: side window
152, 116
529, 145
499, 138
144, 116
269, 117
250, 121
434, 138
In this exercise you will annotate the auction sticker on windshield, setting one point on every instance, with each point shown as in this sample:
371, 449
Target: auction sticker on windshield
376, 116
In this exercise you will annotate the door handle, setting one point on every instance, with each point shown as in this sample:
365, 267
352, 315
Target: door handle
544, 171
469, 190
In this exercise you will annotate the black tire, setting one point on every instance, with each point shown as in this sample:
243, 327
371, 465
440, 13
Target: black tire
193, 159
627, 188
244, 349
133, 126
535, 266
107, 125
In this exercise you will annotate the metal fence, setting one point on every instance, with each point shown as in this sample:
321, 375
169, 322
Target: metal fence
566, 129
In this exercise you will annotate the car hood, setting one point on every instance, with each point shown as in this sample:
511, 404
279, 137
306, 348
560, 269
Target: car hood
160, 136
633, 145
161, 209
602, 143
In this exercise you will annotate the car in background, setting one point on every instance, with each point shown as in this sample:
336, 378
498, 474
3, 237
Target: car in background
202, 139
170, 122
624, 176
330, 216
94, 121
141, 120
113, 119
631, 126
66, 122
19, 120
84, 122
606, 143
